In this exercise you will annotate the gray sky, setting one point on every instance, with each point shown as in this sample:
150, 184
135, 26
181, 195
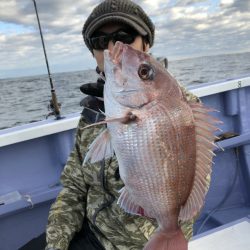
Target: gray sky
184, 28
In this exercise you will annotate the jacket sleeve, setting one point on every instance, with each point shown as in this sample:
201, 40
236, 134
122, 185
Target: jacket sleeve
67, 213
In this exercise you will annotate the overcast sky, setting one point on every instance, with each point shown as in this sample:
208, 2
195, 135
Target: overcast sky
184, 28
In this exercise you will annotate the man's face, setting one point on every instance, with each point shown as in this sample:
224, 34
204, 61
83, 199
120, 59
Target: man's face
108, 29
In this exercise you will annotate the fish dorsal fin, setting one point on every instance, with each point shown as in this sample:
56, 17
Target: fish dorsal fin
101, 148
205, 128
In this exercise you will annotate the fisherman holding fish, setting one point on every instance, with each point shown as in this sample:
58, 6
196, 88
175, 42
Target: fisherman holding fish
151, 199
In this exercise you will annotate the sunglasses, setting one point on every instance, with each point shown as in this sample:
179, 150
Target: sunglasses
101, 42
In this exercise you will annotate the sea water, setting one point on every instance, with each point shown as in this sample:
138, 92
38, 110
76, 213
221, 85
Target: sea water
24, 100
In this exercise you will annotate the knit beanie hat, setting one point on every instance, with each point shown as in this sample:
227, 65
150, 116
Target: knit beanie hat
119, 11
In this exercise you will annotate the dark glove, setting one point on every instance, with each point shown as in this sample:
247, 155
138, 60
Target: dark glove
91, 102
92, 107
94, 89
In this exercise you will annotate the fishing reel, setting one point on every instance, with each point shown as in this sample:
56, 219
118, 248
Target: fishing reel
54, 106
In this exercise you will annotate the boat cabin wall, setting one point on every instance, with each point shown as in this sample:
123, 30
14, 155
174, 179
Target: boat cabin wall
228, 198
29, 182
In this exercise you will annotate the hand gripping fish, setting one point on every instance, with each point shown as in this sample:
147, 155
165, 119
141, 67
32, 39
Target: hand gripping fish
162, 142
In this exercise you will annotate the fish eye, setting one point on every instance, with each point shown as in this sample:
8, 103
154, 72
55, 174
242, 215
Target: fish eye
146, 71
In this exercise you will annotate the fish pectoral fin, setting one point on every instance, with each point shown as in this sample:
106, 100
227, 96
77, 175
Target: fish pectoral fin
129, 117
101, 148
128, 204
125, 119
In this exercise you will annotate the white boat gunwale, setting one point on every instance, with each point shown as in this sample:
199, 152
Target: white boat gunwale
38, 129
219, 86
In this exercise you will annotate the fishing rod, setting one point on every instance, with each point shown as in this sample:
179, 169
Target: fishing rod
54, 105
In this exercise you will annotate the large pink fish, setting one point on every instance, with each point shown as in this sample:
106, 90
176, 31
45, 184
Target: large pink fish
163, 143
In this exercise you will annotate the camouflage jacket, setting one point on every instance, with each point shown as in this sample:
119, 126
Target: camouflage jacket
92, 190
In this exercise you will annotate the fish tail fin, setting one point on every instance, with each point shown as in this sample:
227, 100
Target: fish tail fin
165, 241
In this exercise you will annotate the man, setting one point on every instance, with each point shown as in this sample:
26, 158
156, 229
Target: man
85, 214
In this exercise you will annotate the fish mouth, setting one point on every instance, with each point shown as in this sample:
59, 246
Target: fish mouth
130, 99
115, 56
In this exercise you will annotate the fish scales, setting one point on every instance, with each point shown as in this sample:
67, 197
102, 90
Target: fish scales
152, 165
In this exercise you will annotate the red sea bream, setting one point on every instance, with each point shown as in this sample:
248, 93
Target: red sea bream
162, 142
